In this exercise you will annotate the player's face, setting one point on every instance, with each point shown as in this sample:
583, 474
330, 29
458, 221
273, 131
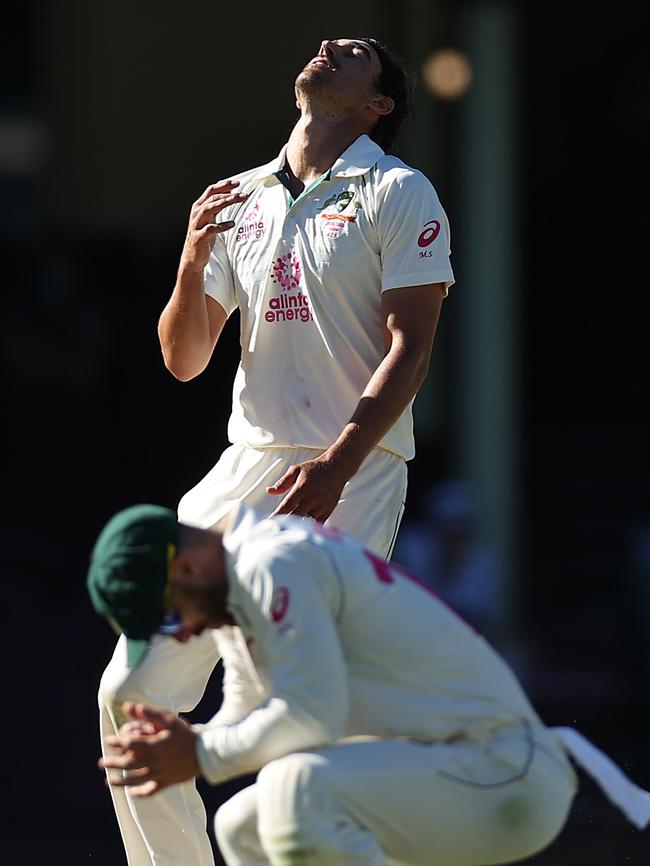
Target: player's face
200, 592
349, 67
197, 612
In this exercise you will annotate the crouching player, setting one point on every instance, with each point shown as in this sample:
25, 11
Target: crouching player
386, 728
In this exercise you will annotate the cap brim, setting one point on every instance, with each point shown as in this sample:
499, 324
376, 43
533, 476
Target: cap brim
136, 650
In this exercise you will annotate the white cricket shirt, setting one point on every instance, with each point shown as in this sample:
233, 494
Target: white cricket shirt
307, 277
341, 643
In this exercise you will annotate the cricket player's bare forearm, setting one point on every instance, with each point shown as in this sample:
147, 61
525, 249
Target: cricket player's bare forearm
391, 388
191, 323
189, 326
410, 321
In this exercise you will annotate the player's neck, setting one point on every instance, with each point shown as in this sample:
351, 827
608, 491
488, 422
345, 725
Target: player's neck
317, 141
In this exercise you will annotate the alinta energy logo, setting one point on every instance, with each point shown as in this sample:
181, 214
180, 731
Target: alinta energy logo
288, 306
252, 227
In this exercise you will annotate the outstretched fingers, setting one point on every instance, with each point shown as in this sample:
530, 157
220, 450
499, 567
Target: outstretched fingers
204, 224
221, 186
205, 212
286, 482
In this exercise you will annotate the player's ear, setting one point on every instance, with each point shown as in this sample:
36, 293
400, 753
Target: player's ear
382, 104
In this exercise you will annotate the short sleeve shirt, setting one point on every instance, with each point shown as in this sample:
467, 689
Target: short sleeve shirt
307, 277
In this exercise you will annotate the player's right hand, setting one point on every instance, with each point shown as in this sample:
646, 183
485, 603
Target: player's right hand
154, 751
203, 226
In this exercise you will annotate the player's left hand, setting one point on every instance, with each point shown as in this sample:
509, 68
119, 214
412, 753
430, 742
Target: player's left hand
154, 751
313, 489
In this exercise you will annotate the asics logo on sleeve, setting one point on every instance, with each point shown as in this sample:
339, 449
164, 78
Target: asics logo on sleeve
429, 233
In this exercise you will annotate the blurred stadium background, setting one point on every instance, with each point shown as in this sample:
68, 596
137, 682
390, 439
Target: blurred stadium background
533, 122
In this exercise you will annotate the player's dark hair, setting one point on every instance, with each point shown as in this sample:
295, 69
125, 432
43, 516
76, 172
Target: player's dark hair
397, 80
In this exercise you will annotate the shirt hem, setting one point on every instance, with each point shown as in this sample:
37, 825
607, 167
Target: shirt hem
419, 280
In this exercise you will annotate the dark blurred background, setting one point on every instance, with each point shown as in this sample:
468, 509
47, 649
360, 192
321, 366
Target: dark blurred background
528, 499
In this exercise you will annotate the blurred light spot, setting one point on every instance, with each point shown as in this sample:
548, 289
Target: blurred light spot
22, 145
447, 73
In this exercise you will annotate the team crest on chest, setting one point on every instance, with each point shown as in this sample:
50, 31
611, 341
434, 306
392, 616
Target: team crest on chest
338, 210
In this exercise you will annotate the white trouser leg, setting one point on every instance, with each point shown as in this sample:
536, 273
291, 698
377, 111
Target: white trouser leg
372, 502
461, 804
168, 829
236, 832
137, 853
370, 508
235, 829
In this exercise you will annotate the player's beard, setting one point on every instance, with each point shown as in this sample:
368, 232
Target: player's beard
211, 602
314, 86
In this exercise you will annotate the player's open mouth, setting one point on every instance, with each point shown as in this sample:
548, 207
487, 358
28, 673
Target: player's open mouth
322, 61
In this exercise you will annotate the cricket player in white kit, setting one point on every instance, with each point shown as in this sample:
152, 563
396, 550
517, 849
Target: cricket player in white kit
336, 256
385, 728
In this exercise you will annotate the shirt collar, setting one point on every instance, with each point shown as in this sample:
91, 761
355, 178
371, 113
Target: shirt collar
264, 172
358, 159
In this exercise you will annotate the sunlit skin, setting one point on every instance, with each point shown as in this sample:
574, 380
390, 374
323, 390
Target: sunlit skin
339, 87
155, 750
338, 99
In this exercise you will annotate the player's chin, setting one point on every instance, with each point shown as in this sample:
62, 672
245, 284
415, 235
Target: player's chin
312, 76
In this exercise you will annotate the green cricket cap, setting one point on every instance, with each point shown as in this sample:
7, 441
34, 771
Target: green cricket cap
129, 578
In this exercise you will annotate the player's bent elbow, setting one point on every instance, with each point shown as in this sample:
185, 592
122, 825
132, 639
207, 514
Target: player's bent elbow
182, 375
181, 369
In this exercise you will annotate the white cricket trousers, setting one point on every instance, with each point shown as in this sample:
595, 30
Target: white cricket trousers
468, 803
169, 829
